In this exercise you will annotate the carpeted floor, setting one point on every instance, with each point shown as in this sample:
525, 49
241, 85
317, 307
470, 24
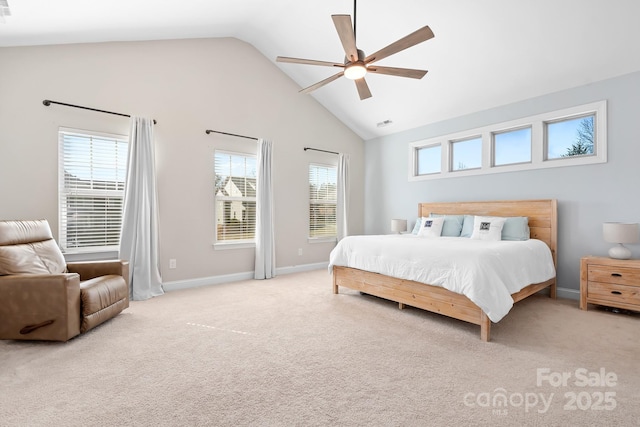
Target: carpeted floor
287, 352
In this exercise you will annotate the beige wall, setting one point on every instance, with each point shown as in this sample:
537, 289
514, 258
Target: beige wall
187, 86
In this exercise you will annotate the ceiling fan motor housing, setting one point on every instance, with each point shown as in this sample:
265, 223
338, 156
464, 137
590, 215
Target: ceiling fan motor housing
361, 56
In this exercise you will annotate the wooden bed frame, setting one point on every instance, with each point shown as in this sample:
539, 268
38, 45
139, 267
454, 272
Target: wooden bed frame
543, 220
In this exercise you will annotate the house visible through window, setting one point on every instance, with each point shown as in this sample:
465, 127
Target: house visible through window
323, 182
92, 172
235, 197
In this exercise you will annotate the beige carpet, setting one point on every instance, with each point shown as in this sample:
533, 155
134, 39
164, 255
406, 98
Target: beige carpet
287, 352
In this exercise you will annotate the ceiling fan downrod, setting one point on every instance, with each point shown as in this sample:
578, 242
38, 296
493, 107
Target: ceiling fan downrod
354, 20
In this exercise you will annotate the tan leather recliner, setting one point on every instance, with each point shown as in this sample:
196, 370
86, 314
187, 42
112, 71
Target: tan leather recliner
44, 298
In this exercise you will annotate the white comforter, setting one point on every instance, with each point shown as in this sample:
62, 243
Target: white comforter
486, 272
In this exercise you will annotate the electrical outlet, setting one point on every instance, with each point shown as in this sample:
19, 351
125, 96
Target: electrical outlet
299, 251
172, 263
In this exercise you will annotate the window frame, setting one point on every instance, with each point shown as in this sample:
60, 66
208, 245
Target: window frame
327, 238
416, 164
537, 123
231, 243
64, 192
565, 119
505, 131
451, 147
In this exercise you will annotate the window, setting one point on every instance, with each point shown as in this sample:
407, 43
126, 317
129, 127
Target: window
323, 183
429, 160
569, 137
466, 154
512, 146
235, 197
92, 172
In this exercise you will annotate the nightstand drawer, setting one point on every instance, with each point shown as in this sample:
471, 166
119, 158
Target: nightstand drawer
619, 275
614, 293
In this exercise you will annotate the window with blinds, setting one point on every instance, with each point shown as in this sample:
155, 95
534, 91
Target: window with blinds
235, 197
323, 182
92, 172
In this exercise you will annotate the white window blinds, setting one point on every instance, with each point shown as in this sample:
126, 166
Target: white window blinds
322, 201
235, 197
92, 172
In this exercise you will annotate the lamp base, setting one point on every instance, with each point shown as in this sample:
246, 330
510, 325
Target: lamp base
620, 252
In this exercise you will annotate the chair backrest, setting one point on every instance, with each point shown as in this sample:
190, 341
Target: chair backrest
28, 247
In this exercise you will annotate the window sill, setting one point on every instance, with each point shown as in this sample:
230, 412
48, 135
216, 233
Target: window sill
90, 256
225, 246
322, 239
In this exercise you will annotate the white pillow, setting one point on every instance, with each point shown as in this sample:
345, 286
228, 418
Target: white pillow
431, 227
488, 228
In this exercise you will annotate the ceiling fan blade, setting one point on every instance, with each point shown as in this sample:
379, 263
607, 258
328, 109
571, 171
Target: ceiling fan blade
418, 36
308, 61
400, 72
322, 83
363, 89
347, 37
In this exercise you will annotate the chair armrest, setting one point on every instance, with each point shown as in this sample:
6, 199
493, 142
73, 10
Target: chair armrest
34, 282
92, 269
40, 306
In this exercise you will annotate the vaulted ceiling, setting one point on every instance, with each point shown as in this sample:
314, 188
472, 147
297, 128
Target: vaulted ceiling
484, 54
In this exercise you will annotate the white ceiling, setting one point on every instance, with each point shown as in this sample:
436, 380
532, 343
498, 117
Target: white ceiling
484, 54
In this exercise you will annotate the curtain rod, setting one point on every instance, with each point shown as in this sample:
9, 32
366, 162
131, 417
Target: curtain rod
48, 102
317, 149
208, 131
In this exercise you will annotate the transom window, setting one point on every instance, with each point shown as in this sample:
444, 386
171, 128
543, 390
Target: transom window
429, 159
235, 197
512, 147
569, 137
92, 172
466, 154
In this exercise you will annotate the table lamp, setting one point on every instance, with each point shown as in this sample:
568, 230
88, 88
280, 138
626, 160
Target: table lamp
398, 225
620, 232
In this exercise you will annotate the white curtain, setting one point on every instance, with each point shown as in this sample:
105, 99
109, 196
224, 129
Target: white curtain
342, 214
265, 244
139, 240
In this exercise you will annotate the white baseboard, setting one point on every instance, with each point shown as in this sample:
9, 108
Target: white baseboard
568, 293
301, 268
236, 277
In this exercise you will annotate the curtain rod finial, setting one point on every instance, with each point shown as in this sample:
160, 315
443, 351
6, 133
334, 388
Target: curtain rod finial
208, 131
46, 102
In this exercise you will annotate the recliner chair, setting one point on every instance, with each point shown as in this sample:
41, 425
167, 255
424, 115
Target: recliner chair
44, 298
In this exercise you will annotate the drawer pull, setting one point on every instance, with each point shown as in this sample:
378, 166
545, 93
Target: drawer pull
616, 274
616, 292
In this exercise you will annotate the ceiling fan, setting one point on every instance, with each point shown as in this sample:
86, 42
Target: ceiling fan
356, 65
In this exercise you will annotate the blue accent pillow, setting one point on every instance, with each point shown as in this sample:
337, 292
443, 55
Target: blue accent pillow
516, 228
416, 227
452, 224
467, 226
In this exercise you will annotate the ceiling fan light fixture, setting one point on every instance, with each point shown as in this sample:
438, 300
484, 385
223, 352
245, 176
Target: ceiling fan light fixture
355, 71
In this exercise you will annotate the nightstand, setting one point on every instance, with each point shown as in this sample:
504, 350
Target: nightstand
610, 282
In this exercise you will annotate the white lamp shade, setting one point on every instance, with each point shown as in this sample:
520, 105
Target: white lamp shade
398, 225
620, 232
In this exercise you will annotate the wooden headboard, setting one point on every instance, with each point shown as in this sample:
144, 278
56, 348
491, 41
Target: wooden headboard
542, 214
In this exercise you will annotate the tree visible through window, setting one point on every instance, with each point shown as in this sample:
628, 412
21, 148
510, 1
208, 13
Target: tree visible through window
323, 183
570, 137
92, 174
235, 196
